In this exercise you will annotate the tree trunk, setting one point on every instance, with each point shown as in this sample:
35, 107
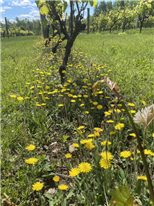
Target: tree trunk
141, 25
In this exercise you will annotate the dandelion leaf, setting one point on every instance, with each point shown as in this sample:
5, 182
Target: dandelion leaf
122, 196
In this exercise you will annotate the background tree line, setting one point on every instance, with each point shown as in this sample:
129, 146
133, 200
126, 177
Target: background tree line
21, 27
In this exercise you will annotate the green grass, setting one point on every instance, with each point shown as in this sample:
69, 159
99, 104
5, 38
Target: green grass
126, 58
130, 56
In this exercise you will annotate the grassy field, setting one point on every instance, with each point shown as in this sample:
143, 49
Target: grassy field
38, 110
130, 56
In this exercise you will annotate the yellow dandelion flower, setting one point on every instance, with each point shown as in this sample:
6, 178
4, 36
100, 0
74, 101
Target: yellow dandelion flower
133, 134
60, 105
31, 161
81, 127
37, 186
112, 133
84, 141
105, 163
91, 135
73, 100
107, 155
131, 104
56, 178
89, 145
63, 187
30, 147
75, 145
99, 107
87, 112
105, 143
96, 133
74, 172
143, 102
153, 135
147, 152
125, 154
20, 98
110, 121
68, 155
98, 129
119, 126
81, 105
85, 167
132, 111
85, 96
117, 110
142, 178
95, 103
13, 96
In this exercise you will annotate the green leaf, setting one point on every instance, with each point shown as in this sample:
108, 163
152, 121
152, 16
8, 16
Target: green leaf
93, 3
64, 138
138, 187
37, 3
48, 175
122, 196
49, 196
70, 194
64, 6
44, 10
51, 203
64, 202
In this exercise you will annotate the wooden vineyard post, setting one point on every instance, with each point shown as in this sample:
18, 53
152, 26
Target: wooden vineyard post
6, 27
71, 29
88, 20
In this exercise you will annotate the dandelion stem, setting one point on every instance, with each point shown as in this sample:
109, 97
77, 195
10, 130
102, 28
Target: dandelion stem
139, 145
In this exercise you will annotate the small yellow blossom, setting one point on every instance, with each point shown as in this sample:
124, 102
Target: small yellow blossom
81, 127
60, 105
110, 121
30, 147
119, 126
105, 143
89, 145
132, 111
99, 107
31, 161
112, 133
143, 102
105, 163
107, 155
74, 172
68, 155
63, 187
37, 186
133, 134
85, 167
20, 98
75, 145
13, 96
131, 104
125, 154
56, 178
142, 178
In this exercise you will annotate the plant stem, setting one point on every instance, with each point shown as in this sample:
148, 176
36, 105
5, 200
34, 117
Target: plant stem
139, 145
144, 136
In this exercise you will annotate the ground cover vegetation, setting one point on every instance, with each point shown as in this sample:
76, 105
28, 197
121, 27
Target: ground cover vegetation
21, 27
76, 142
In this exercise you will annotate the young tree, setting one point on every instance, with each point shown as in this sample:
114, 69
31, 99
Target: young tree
53, 10
143, 11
